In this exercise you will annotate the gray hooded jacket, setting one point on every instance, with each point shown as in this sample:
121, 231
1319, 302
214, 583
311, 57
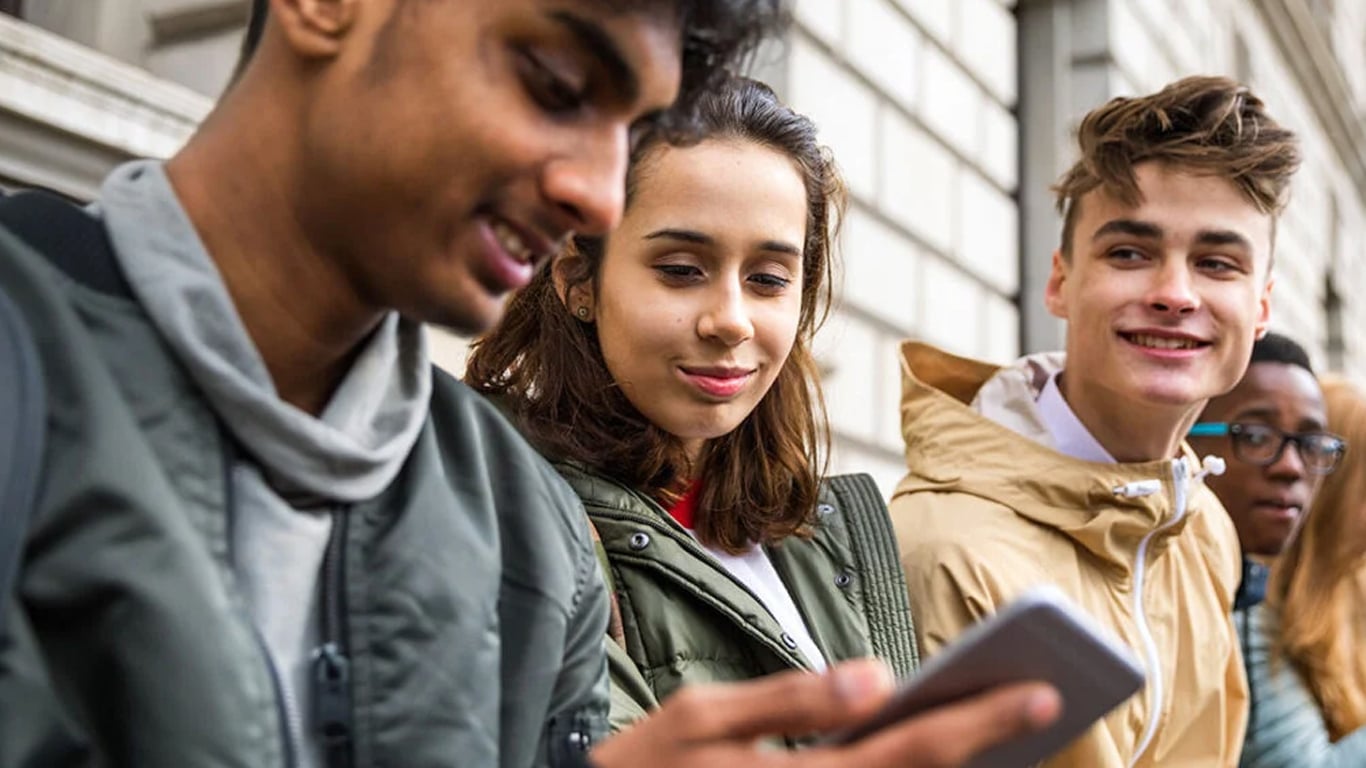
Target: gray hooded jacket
206, 561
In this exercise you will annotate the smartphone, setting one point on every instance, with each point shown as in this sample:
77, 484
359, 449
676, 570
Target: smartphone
1040, 636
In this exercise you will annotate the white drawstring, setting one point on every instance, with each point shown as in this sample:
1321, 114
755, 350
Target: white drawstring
1139, 489
1181, 483
1212, 465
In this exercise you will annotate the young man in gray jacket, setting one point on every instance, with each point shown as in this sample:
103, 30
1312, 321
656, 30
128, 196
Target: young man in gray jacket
268, 533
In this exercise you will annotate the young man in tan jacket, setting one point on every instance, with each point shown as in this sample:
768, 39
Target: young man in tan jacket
1071, 469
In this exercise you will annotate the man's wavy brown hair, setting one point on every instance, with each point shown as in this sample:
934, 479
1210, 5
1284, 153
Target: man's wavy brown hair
1205, 125
547, 371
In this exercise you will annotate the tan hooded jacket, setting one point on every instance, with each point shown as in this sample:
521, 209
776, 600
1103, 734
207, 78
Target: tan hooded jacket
989, 509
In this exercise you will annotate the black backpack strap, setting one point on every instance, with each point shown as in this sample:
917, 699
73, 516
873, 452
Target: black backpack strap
23, 409
69, 237
75, 242
886, 601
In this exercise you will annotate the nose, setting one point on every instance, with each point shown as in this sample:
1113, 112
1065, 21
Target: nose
726, 318
1172, 291
588, 183
1289, 465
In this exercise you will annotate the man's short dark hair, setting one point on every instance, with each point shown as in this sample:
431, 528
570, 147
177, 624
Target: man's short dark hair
719, 37
256, 23
1275, 348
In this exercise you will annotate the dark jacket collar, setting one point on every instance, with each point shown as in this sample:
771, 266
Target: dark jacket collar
1252, 589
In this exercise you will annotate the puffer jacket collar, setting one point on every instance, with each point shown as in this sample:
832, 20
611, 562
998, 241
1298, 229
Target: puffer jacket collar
971, 427
633, 526
823, 573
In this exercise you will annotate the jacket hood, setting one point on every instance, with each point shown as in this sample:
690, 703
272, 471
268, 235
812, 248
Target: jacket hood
972, 427
348, 453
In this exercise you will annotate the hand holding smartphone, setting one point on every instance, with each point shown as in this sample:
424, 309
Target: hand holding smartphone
1041, 636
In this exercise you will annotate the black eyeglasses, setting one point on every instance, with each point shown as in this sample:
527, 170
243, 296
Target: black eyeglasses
1262, 444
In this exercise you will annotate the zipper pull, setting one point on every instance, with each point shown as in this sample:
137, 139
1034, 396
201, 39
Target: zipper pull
332, 696
1138, 489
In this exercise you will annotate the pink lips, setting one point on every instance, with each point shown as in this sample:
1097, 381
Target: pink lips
510, 271
717, 382
1279, 510
507, 271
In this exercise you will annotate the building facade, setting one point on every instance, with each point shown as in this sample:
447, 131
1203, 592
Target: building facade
950, 119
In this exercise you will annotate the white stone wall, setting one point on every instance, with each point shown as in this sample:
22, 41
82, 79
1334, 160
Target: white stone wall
190, 42
916, 99
68, 113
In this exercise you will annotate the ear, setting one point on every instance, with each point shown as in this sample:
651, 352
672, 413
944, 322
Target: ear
1264, 309
1053, 297
579, 298
315, 28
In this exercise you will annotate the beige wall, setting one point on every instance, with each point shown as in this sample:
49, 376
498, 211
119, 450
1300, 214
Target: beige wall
916, 99
190, 42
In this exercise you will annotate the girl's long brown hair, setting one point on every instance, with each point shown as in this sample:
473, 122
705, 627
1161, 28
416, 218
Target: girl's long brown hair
1316, 584
547, 371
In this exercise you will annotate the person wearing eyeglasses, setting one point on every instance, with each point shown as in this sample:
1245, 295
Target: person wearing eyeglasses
1296, 619
1276, 405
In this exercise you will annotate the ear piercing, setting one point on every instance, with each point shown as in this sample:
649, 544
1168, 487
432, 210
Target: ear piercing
582, 312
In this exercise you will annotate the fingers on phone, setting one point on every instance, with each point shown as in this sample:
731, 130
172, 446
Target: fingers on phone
791, 703
951, 735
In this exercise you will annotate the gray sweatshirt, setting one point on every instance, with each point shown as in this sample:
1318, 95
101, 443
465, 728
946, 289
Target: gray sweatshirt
295, 471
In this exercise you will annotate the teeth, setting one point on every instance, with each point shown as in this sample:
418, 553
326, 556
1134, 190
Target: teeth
1161, 342
511, 242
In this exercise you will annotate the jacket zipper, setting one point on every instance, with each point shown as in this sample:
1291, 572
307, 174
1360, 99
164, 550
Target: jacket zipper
331, 678
1180, 482
1247, 666
277, 687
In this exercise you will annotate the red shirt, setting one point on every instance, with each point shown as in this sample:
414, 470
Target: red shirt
685, 510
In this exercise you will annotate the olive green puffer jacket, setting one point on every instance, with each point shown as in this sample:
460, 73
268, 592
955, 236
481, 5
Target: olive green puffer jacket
684, 619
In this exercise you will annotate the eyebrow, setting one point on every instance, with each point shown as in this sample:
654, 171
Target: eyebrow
683, 235
594, 39
1309, 424
1150, 231
1264, 412
1131, 227
1222, 237
699, 238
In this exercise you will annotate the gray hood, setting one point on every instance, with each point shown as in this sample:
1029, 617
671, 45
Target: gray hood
357, 446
